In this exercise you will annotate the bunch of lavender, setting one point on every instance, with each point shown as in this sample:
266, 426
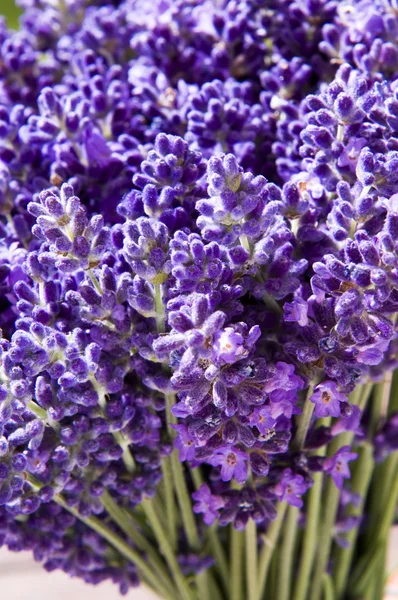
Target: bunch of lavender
199, 294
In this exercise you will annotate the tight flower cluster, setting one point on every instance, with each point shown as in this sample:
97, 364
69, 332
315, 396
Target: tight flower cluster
198, 247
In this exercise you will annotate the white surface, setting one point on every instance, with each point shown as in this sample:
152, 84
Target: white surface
23, 579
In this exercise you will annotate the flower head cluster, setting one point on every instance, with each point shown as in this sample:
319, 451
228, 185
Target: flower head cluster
198, 246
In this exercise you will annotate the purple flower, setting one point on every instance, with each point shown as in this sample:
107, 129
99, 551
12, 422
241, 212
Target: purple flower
348, 422
207, 503
337, 465
261, 418
327, 398
291, 487
184, 442
284, 403
233, 463
282, 377
228, 346
296, 312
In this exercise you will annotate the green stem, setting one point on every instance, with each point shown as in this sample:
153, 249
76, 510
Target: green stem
215, 591
160, 316
127, 525
393, 405
184, 499
360, 483
107, 534
304, 421
236, 563
127, 457
310, 538
365, 570
166, 549
391, 506
118, 436
381, 576
95, 281
270, 540
361, 395
368, 566
271, 304
327, 585
203, 583
383, 472
332, 496
196, 477
213, 535
287, 553
245, 242
364, 395
170, 501
219, 556
251, 560
42, 414
376, 407
146, 573
273, 575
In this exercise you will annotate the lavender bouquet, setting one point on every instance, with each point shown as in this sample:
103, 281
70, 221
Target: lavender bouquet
198, 294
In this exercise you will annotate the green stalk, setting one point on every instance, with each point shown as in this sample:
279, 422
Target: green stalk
311, 530
378, 403
327, 586
219, 556
127, 457
390, 469
393, 405
184, 501
40, 412
304, 420
368, 566
166, 463
214, 590
363, 575
381, 577
326, 536
107, 534
287, 553
147, 573
390, 507
251, 559
213, 536
273, 575
180, 485
310, 538
118, 436
332, 496
127, 525
384, 472
236, 561
363, 470
166, 549
203, 585
176, 469
270, 540
361, 398
160, 316
170, 501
